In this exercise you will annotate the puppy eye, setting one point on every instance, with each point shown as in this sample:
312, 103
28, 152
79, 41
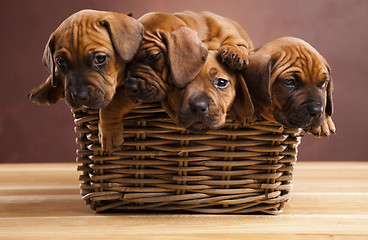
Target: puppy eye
61, 63
154, 57
323, 84
100, 59
289, 82
221, 83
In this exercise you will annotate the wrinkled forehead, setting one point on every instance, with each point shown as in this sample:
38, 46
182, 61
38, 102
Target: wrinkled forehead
301, 60
151, 41
81, 35
214, 67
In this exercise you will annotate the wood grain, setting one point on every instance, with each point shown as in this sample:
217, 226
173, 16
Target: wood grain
42, 201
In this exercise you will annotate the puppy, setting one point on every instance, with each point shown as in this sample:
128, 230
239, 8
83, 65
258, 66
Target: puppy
205, 101
86, 57
291, 84
175, 46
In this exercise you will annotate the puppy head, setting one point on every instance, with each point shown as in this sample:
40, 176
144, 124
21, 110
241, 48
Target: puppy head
86, 58
290, 83
169, 49
202, 105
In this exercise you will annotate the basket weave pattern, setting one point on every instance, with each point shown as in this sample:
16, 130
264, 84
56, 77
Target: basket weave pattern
162, 167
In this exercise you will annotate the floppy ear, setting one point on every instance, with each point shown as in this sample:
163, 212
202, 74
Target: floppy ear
186, 54
46, 93
242, 106
257, 77
329, 103
168, 108
48, 58
125, 32
52, 90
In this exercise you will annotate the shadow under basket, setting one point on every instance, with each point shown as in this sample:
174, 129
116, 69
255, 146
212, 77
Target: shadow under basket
162, 167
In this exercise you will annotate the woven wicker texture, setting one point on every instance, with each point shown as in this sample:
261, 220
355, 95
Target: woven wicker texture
237, 169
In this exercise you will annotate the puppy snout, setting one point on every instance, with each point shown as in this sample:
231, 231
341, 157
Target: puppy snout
132, 84
315, 109
199, 105
80, 94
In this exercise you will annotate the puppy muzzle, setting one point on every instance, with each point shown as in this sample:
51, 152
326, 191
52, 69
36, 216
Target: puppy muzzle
199, 117
139, 90
309, 114
87, 96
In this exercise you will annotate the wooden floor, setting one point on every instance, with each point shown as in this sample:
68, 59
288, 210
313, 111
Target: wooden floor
42, 201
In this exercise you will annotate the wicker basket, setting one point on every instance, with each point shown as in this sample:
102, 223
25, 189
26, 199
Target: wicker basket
238, 169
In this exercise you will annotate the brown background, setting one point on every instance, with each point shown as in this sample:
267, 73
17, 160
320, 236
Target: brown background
336, 28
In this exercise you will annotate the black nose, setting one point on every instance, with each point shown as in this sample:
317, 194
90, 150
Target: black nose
199, 105
80, 94
315, 109
132, 84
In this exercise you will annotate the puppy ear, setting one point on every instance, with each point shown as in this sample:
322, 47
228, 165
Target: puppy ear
46, 93
242, 106
48, 58
52, 90
186, 54
125, 32
168, 108
329, 103
257, 77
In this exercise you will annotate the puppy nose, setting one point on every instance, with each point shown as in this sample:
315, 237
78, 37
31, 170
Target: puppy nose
199, 106
131, 84
315, 109
80, 95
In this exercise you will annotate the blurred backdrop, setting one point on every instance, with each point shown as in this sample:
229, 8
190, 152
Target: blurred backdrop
336, 28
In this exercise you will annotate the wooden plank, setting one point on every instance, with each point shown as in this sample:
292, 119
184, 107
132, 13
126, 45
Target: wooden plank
153, 226
324, 203
42, 201
341, 177
43, 206
71, 204
23, 177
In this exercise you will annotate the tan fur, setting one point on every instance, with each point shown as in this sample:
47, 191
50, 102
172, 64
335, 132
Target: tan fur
174, 48
180, 102
291, 83
86, 57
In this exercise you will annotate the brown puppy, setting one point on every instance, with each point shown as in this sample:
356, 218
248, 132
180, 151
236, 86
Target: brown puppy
203, 104
174, 48
290, 83
86, 57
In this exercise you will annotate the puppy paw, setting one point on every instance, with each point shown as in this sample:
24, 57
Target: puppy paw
111, 136
234, 56
327, 128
